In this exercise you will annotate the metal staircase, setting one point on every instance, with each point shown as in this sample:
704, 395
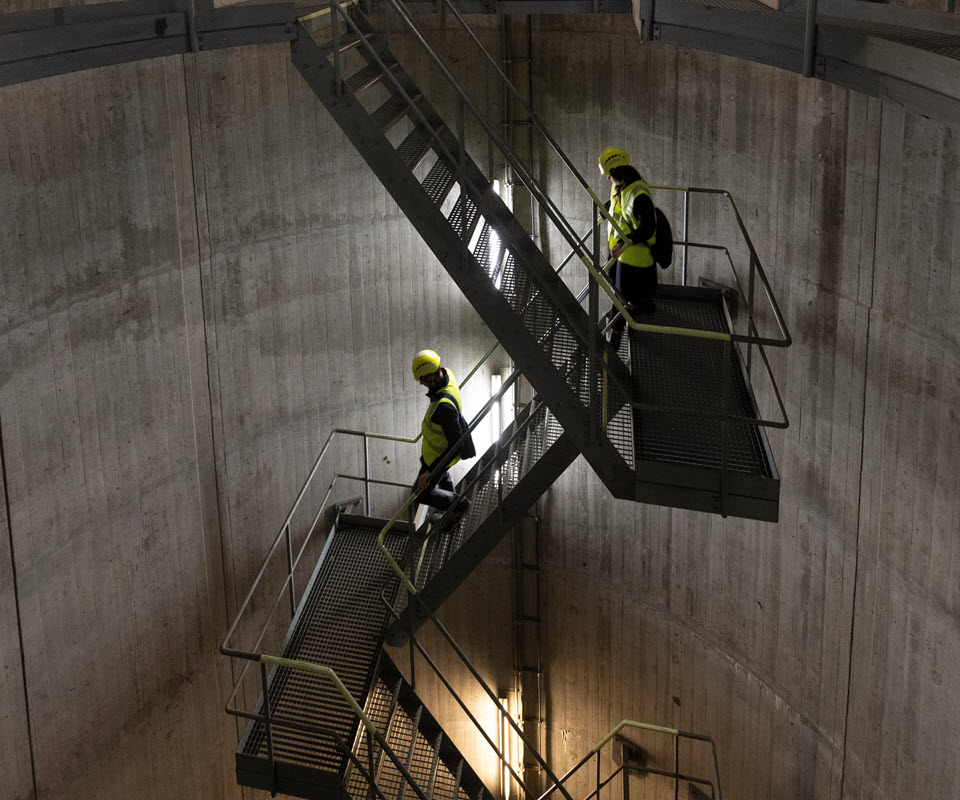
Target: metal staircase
502, 486
424, 165
558, 346
302, 738
410, 730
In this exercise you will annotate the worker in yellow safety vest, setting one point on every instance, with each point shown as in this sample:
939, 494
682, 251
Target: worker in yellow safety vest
634, 274
443, 426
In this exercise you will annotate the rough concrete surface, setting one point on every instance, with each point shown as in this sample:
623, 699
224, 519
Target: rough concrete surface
200, 279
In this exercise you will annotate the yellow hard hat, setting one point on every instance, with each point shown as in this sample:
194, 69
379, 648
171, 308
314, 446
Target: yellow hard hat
613, 157
425, 362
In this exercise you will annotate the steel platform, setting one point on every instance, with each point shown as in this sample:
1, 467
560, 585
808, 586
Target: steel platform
340, 624
679, 454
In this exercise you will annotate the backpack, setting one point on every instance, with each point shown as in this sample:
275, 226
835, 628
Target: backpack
468, 449
662, 249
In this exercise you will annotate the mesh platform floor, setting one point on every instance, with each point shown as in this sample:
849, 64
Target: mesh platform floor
340, 625
686, 373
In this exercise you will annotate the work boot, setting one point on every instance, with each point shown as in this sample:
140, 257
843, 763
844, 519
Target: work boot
455, 514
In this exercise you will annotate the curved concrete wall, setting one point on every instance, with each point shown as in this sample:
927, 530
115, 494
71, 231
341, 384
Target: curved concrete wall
199, 280
820, 652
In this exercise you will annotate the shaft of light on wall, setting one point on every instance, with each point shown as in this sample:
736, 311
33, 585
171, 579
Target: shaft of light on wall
506, 403
504, 745
496, 381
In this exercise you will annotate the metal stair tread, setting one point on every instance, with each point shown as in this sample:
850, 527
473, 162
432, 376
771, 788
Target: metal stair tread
347, 41
414, 147
439, 181
391, 112
365, 78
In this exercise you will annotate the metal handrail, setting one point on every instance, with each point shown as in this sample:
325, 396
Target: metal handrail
535, 121
627, 723
529, 181
414, 642
270, 721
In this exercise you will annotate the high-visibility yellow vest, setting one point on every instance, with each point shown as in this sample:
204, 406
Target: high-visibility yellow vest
434, 442
635, 255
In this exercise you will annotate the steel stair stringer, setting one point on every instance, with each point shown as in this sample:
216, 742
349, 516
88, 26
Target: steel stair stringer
447, 245
412, 732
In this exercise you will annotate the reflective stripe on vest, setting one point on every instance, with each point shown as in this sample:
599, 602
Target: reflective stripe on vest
636, 255
434, 442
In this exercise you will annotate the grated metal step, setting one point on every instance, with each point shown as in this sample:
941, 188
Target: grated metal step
489, 251
463, 222
439, 182
414, 147
391, 112
369, 76
417, 740
347, 42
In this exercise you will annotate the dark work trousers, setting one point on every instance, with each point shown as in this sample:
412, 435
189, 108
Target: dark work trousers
637, 285
442, 495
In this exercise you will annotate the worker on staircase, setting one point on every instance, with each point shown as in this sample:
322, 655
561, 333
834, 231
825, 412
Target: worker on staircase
442, 428
634, 274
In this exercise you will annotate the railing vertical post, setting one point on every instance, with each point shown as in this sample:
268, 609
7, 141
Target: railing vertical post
676, 767
266, 714
751, 325
594, 302
335, 31
809, 39
686, 236
366, 474
462, 169
499, 467
725, 428
598, 775
293, 588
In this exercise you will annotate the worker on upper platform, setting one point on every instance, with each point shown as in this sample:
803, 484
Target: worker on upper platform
443, 426
634, 274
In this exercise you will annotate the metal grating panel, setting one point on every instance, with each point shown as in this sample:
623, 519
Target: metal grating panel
340, 625
489, 251
458, 219
438, 182
347, 41
365, 78
687, 373
414, 147
390, 113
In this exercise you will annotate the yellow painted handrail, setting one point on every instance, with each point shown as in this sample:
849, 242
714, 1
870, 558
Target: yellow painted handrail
318, 669
629, 723
601, 278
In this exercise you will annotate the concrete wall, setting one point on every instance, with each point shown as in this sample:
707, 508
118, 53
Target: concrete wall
815, 650
200, 280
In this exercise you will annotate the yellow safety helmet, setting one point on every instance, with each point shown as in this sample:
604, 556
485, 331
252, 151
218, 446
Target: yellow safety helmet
611, 158
425, 362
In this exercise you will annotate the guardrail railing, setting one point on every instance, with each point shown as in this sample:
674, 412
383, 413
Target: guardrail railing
625, 769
